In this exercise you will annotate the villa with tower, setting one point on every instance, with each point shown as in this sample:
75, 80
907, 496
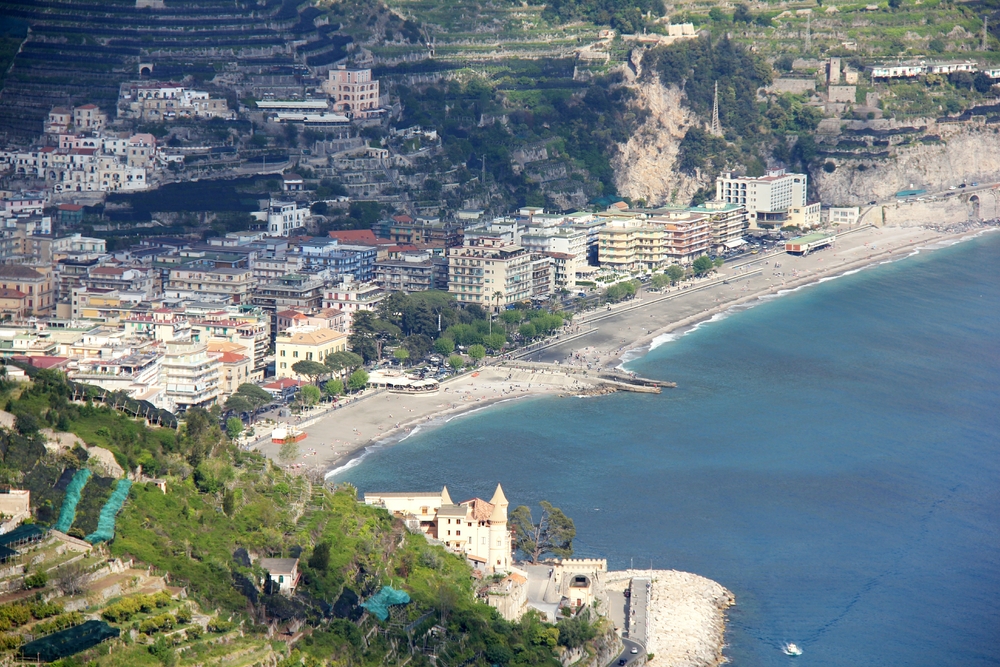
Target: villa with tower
475, 528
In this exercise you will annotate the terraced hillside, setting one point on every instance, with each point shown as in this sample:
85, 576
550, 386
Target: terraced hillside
80, 51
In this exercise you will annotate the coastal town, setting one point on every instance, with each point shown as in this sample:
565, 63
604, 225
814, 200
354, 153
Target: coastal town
245, 247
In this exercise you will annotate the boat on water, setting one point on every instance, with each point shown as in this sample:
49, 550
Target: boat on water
791, 649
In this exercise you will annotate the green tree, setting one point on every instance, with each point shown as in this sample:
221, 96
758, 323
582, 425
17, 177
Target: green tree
477, 352
238, 403
401, 354
527, 331
444, 346
358, 380
512, 316
659, 281
495, 341
334, 387
254, 395
702, 265
456, 361
234, 426
718, 262
319, 560
742, 14
340, 362
675, 273
309, 395
310, 369
553, 534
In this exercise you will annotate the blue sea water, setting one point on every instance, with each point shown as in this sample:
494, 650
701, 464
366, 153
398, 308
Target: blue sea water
831, 456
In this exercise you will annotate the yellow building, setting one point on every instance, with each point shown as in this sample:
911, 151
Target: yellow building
305, 344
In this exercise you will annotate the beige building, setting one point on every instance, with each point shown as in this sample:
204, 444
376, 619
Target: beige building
89, 117
217, 284
487, 267
475, 528
728, 222
305, 344
352, 91
35, 283
804, 217
236, 370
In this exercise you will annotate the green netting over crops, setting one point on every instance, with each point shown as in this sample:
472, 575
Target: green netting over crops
69, 642
106, 521
68, 512
379, 603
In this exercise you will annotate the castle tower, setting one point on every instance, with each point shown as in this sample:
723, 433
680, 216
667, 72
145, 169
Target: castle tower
716, 128
500, 547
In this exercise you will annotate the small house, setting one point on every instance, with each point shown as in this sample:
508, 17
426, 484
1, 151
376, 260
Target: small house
283, 573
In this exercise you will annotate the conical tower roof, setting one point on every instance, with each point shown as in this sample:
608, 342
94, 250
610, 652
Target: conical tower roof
499, 502
445, 496
498, 497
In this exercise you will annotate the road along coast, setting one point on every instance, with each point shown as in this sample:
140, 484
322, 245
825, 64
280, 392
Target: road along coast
600, 341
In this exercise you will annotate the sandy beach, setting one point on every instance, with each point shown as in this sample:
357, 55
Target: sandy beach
599, 340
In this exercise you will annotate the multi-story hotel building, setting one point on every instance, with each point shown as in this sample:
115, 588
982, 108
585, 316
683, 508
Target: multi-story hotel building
487, 271
766, 198
226, 285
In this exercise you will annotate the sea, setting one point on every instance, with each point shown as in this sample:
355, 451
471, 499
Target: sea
830, 455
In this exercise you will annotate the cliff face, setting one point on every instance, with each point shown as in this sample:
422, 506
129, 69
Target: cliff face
645, 166
967, 154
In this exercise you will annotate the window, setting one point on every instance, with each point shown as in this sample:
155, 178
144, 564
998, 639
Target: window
295, 353
458, 532
282, 353
449, 532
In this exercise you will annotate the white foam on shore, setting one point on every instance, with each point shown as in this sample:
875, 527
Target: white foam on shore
391, 439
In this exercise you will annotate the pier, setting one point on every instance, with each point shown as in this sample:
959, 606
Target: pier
617, 379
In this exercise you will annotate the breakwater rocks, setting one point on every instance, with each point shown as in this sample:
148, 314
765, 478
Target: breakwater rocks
687, 619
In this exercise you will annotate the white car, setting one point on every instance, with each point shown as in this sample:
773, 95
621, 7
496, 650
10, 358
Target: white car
635, 650
953, 188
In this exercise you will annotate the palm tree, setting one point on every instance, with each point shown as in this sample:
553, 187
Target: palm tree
496, 295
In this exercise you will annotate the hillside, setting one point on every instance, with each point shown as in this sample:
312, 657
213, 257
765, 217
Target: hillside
181, 578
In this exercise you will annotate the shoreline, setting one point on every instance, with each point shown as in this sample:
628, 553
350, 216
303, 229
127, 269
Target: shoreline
339, 440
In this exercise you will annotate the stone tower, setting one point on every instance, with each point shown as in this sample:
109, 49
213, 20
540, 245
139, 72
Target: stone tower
500, 548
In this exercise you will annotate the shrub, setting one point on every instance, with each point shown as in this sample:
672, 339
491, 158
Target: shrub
37, 580
220, 625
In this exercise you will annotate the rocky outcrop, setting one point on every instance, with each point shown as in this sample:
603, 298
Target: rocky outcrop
646, 165
967, 152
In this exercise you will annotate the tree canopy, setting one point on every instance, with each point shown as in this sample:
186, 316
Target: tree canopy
552, 535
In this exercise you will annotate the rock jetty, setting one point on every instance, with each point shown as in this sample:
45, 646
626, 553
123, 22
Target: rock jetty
687, 619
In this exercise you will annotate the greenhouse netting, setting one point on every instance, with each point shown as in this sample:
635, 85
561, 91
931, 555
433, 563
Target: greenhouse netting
106, 521
379, 603
68, 512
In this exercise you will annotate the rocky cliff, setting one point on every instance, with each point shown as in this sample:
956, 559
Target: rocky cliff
645, 166
966, 153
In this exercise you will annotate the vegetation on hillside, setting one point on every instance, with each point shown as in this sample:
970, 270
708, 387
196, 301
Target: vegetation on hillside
224, 509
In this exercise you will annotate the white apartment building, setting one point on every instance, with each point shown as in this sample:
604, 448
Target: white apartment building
350, 297
844, 215
283, 217
728, 222
352, 91
568, 243
190, 375
766, 198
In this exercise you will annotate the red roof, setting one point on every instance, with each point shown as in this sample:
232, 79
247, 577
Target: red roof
70, 207
42, 362
88, 106
354, 236
231, 358
11, 294
402, 219
284, 383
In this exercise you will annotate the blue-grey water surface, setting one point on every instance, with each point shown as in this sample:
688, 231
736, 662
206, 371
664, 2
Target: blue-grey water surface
831, 456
